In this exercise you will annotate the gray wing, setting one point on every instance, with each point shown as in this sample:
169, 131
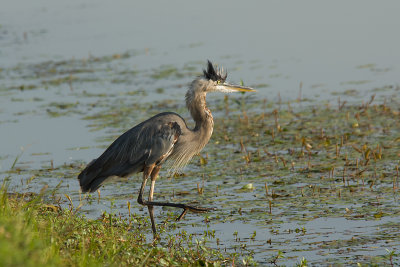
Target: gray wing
150, 142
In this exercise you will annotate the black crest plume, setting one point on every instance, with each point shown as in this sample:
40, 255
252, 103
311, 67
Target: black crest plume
215, 75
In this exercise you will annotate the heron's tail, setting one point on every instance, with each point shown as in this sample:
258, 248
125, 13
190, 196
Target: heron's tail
99, 170
91, 178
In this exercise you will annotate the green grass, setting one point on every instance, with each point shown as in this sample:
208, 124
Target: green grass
24, 235
33, 233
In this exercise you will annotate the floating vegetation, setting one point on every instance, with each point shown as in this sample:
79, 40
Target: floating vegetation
170, 71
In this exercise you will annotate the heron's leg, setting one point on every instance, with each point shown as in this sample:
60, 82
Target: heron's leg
154, 175
185, 207
146, 172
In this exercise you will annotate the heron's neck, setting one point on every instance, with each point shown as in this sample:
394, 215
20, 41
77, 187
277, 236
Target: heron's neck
196, 104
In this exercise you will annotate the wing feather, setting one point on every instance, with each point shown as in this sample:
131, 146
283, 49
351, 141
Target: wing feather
150, 142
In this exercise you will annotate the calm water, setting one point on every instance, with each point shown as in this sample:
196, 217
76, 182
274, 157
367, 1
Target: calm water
277, 44
329, 47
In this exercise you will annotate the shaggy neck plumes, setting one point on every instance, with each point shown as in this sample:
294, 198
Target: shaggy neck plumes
196, 104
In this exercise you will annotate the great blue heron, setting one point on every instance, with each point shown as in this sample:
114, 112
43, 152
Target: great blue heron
145, 147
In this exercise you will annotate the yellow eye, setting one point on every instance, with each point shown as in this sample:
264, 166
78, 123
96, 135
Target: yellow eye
219, 82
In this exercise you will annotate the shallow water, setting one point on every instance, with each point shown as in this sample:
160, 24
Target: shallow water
76, 75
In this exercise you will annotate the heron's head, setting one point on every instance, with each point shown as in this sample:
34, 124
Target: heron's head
214, 80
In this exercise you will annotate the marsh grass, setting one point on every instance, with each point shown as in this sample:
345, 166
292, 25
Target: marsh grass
33, 233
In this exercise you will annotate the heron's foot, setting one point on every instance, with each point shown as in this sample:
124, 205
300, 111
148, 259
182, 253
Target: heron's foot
187, 208
156, 238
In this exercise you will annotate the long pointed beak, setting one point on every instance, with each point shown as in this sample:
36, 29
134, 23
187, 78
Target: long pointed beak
226, 87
